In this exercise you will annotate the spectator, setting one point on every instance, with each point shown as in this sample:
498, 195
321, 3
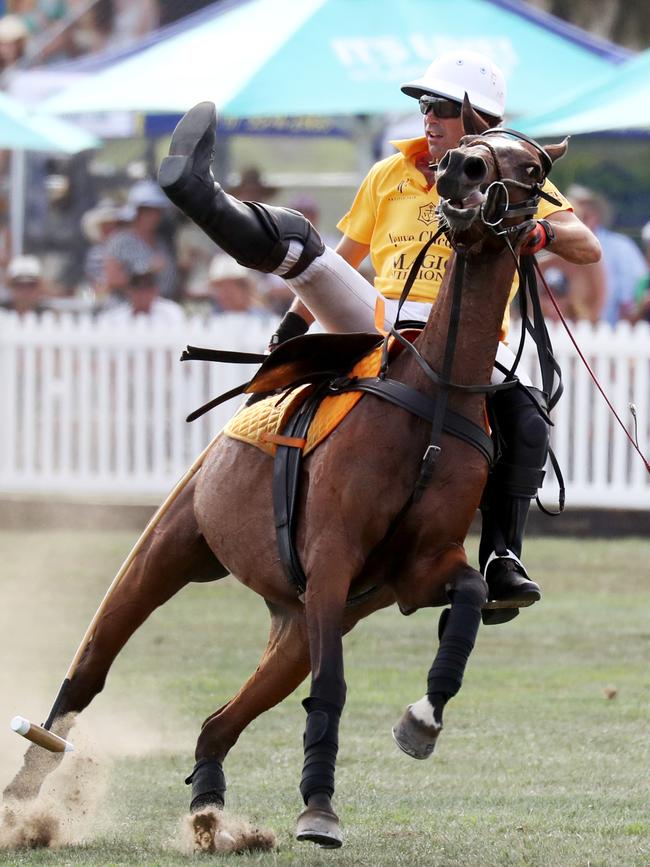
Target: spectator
98, 225
140, 246
13, 41
308, 207
89, 30
37, 15
194, 252
579, 290
26, 287
142, 299
131, 21
624, 264
642, 297
233, 288
252, 188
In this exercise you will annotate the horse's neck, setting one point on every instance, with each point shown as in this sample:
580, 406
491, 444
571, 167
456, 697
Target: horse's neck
486, 286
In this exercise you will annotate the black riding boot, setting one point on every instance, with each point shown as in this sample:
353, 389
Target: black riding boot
514, 482
256, 235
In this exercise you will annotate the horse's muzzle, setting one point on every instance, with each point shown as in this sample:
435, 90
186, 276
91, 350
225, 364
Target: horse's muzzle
458, 174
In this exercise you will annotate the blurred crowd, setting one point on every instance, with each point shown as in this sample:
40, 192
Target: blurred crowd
145, 258
45, 30
142, 257
616, 288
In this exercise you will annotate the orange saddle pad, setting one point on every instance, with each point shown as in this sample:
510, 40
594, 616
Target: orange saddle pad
265, 420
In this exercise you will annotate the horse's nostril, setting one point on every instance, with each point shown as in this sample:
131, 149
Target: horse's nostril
475, 169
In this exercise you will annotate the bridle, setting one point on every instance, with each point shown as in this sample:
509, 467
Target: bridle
497, 206
508, 235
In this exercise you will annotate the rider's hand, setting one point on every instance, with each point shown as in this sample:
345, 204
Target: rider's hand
540, 235
292, 325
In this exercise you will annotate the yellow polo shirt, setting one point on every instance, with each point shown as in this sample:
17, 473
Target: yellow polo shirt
394, 213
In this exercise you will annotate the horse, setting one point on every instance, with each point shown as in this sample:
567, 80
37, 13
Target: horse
364, 541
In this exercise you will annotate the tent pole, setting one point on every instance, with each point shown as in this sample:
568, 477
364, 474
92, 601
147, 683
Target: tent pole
17, 194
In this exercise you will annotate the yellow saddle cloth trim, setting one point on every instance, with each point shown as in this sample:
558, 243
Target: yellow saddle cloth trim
268, 417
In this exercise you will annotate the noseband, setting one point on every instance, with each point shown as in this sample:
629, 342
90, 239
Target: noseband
497, 206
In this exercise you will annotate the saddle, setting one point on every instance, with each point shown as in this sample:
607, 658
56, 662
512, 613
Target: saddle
314, 380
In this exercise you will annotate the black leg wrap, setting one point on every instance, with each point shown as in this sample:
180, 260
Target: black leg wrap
442, 622
458, 637
321, 743
208, 785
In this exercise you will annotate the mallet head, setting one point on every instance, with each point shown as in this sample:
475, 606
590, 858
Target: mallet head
41, 736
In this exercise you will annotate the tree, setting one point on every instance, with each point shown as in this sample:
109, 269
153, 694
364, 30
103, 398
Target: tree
617, 20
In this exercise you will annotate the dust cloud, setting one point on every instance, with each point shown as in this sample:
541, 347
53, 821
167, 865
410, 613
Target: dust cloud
212, 830
66, 809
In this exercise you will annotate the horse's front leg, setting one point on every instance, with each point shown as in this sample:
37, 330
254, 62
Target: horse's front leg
324, 608
417, 731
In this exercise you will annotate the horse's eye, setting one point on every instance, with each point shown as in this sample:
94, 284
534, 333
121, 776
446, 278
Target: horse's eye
532, 171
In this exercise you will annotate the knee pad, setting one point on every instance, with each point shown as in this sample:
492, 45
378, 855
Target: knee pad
283, 225
524, 438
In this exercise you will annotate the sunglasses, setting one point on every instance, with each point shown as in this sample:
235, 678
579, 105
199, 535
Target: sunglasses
442, 108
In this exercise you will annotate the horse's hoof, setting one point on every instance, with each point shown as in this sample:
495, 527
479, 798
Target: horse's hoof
414, 737
321, 827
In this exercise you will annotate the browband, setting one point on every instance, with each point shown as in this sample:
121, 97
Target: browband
547, 162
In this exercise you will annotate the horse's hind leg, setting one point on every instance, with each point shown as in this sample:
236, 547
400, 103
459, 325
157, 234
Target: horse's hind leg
284, 665
418, 729
174, 554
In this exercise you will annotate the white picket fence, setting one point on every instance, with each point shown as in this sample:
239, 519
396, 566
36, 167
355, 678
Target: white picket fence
86, 410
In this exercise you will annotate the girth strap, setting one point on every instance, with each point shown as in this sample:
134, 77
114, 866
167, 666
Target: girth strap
286, 475
402, 395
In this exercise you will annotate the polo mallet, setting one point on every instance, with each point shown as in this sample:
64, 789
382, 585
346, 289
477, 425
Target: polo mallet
42, 735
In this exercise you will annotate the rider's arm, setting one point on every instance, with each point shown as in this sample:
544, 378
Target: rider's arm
572, 240
352, 251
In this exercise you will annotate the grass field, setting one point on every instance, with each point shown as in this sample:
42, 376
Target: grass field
536, 766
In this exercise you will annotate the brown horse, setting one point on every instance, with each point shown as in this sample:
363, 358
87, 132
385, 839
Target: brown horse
352, 488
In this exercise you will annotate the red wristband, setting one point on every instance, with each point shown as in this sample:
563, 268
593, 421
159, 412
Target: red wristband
537, 239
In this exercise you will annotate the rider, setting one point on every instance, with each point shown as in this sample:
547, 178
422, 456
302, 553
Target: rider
392, 215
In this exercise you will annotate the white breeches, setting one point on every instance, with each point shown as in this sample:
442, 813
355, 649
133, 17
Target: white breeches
342, 300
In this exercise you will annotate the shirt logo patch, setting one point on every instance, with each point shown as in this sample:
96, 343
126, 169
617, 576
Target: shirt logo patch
402, 185
427, 214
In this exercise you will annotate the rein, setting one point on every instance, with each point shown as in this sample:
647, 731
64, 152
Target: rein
442, 381
550, 294
537, 328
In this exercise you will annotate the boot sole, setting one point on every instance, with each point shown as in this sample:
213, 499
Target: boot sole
191, 128
185, 138
516, 602
498, 616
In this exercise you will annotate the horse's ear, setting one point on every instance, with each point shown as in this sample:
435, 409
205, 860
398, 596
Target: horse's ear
473, 123
557, 151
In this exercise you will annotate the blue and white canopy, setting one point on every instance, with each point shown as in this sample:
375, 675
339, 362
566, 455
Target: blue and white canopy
263, 58
21, 129
618, 100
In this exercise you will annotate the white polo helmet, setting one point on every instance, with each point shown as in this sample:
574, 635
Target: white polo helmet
458, 72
